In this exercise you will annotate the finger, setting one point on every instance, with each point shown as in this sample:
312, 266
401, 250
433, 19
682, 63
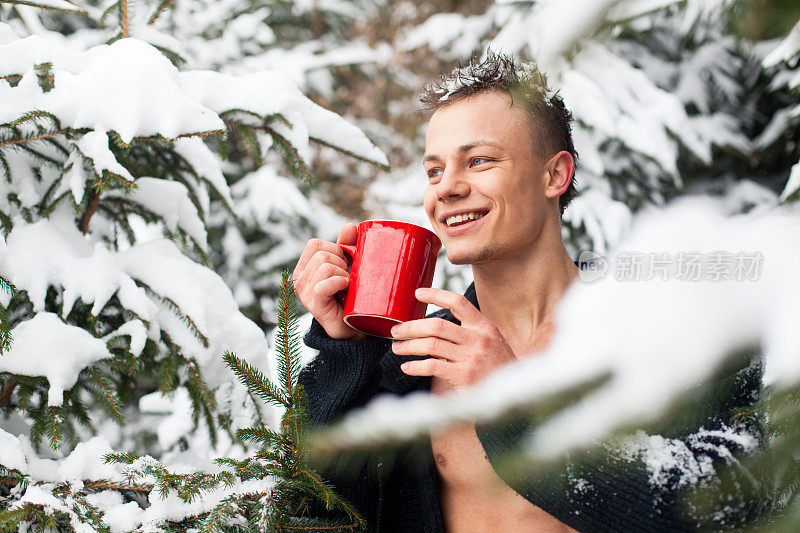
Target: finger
327, 270
330, 286
461, 308
349, 234
323, 257
432, 346
429, 327
318, 261
312, 247
427, 367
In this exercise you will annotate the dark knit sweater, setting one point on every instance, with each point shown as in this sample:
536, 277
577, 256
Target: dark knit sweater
397, 490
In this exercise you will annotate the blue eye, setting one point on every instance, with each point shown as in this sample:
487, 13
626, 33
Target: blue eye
475, 160
432, 173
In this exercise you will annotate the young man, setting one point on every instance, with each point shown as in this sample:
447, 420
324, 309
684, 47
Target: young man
500, 161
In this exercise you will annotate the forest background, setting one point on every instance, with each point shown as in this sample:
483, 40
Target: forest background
163, 162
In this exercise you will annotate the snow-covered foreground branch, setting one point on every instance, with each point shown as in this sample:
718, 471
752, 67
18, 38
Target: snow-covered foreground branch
646, 342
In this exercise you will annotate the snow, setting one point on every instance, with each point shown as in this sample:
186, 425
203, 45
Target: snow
94, 145
170, 200
793, 183
38, 495
264, 193
686, 462
137, 332
656, 338
61, 5
13, 454
788, 48
205, 163
128, 87
177, 406
86, 462
75, 176
548, 42
267, 93
610, 96
173, 508
46, 346
454, 33
631, 9
118, 516
83, 463
606, 220
53, 252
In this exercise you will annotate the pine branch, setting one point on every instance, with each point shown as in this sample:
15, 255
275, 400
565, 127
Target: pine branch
53, 426
224, 510
108, 396
8, 390
91, 206
160, 9
286, 339
123, 17
108, 11
254, 380
159, 138
5, 325
45, 7
20, 140
6, 167
176, 310
348, 153
261, 435
291, 156
35, 115
203, 400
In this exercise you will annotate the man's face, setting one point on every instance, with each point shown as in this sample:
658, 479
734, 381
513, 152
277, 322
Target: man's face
480, 165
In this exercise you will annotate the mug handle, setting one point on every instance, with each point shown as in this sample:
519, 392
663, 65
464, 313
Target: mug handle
350, 251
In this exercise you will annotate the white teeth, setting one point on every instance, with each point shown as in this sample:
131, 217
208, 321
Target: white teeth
456, 219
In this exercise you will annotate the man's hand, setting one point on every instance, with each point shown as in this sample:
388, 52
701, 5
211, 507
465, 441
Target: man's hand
461, 355
320, 273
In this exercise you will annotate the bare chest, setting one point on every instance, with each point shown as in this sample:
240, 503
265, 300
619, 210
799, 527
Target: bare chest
473, 497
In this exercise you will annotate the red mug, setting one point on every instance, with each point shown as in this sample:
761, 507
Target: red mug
390, 261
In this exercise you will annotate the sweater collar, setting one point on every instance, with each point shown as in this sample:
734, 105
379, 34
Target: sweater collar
394, 379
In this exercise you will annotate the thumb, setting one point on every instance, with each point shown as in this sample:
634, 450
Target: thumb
348, 235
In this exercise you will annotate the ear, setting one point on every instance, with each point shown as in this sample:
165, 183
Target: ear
560, 169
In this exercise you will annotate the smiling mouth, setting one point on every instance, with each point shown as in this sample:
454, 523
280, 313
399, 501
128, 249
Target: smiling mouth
458, 220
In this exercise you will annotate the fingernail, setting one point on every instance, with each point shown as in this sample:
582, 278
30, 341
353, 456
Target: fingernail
404, 367
395, 330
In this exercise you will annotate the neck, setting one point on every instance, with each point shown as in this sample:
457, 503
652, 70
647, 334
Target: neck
519, 293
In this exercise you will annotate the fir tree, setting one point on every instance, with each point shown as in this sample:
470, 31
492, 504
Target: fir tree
268, 491
107, 301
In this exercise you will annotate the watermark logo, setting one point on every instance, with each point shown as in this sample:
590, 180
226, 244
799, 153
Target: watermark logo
592, 266
718, 265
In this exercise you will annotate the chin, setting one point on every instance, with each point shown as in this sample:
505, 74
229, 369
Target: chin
473, 256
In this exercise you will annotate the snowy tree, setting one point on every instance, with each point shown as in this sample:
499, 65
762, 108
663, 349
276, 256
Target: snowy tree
112, 160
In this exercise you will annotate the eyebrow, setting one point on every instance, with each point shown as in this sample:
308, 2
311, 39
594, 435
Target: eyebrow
464, 148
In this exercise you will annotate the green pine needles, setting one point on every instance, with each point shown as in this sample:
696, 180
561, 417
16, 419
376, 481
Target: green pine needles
272, 490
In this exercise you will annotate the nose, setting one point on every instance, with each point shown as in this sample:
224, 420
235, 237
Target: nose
452, 185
